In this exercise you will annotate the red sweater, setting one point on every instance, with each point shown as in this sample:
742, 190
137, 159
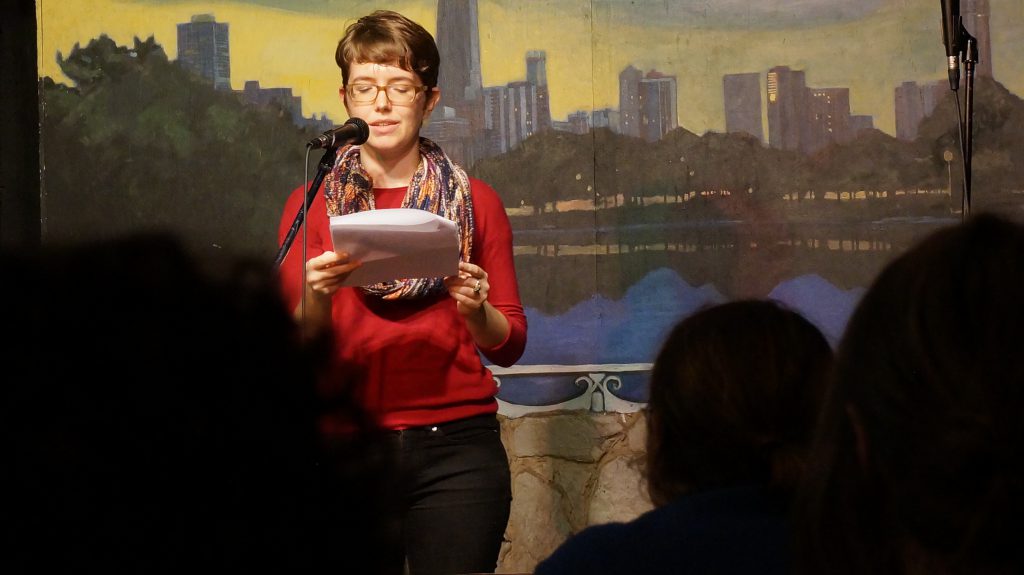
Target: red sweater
418, 363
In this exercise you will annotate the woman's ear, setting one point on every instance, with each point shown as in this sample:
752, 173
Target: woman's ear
344, 99
433, 97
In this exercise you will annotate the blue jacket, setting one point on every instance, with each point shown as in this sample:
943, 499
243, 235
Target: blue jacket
736, 530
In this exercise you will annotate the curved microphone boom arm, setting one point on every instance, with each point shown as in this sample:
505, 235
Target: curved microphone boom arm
324, 166
354, 131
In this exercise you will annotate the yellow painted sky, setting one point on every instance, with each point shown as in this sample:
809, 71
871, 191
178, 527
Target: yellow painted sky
585, 49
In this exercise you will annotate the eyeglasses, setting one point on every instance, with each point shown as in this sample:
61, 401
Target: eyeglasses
397, 93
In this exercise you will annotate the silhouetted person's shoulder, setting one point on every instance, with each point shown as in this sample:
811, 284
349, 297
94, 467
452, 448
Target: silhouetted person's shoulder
918, 455
165, 416
738, 530
734, 394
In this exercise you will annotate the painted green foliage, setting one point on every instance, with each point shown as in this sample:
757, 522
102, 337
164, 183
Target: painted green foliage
140, 143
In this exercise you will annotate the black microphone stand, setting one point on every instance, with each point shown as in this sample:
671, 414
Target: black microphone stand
967, 133
325, 165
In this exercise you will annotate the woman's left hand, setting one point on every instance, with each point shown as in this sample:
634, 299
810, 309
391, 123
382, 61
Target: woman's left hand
488, 326
469, 288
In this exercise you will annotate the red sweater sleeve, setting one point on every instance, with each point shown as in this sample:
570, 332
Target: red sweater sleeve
492, 251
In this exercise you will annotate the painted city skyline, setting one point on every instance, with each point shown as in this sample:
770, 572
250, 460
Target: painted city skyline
582, 62
612, 234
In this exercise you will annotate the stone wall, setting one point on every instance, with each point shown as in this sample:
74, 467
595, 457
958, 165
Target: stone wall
570, 469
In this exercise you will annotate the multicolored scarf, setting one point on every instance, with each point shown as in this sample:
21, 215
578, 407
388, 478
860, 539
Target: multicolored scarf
439, 186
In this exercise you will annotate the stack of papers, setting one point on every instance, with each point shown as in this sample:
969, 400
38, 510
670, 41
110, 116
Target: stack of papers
397, 243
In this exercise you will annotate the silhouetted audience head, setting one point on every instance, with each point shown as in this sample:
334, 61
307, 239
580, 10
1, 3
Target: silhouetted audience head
918, 464
163, 418
734, 395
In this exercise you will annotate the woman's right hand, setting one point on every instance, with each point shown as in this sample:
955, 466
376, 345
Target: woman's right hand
326, 272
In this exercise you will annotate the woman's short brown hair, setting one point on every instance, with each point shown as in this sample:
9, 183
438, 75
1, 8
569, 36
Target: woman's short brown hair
386, 37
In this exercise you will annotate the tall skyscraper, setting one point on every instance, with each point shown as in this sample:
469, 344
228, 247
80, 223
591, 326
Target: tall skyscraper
522, 110
460, 78
203, 48
914, 103
496, 120
742, 97
658, 105
976, 15
629, 101
787, 95
510, 113
536, 74
828, 120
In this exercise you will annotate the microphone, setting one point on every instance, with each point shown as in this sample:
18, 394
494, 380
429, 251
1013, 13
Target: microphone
354, 131
951, 25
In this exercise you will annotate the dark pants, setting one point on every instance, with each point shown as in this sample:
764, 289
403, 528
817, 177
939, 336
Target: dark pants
457, 495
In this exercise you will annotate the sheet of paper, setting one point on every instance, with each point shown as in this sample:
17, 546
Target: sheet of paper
397, 243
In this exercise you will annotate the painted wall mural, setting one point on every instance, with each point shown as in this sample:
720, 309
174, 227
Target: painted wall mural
653, 156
